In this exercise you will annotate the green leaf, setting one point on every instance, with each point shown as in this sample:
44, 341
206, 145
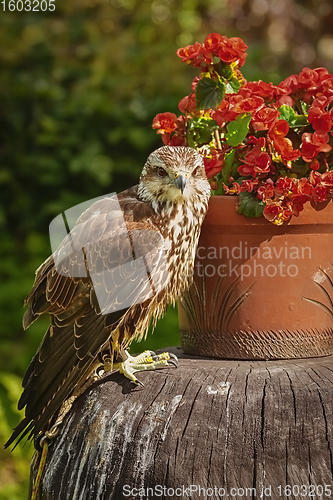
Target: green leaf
209, 93
200, 130
300, 121
232, 86
233, 170
228, 160
221, 84
294, 120
287, 113
249, 205
237, 129
222, 68
304, 106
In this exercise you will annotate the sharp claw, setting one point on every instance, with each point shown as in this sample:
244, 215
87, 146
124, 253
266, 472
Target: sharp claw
173, 362
173, 359
138, 382
173, 356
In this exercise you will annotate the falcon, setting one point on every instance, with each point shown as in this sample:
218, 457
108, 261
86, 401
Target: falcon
126, 258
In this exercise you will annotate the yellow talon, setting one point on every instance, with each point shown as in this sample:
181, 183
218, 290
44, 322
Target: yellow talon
145, 361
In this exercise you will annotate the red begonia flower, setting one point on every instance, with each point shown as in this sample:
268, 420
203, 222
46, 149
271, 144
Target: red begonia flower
187, 104
245, 170
307, 77
212, 45
165, 123
266, 190
320, 120
263, 162
313, 144
319, 193
213, 165
247, 185
315, 164
248, 105
285, 100
280, 129
273, 212
290, 84
263, 117
191, 54
327, 179
233, 50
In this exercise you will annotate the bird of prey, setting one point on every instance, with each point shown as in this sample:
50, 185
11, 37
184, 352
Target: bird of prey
124, 261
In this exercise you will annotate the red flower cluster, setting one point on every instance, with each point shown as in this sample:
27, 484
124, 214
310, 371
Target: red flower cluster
280, 137
288, 195
309, 84
234, 105
229, 50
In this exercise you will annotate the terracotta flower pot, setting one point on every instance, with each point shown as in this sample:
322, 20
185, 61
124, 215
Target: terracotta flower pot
261, 291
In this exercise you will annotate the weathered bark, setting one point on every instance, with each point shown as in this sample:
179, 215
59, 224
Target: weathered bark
210, 423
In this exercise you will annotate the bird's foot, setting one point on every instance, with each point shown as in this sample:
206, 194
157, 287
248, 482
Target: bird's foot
148, 360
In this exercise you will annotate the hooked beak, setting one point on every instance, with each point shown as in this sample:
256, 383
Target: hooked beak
180, 182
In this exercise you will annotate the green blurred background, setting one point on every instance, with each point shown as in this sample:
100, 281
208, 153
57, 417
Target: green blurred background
79, 88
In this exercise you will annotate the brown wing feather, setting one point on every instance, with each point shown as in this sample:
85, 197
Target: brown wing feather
78, 330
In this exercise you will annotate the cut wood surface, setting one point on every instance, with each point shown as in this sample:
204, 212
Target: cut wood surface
249, 429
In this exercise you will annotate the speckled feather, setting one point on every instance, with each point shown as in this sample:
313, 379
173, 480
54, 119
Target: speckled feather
78, 332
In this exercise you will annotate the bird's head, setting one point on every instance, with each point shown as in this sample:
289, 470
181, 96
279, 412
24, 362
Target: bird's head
174, 174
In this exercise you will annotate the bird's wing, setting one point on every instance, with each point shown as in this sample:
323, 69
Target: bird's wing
106, 266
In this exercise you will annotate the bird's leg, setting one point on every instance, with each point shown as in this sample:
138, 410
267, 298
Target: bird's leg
148, 360
125, 363
107, 358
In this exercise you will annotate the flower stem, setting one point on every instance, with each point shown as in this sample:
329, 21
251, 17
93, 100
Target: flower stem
217, 138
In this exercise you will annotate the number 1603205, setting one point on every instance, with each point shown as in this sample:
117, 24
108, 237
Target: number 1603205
33, 5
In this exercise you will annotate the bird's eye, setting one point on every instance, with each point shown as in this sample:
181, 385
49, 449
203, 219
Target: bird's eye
195, 171
161, 172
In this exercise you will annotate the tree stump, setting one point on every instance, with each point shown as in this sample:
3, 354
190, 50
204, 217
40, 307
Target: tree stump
211, 428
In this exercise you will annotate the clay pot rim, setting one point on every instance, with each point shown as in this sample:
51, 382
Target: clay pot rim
222, 211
